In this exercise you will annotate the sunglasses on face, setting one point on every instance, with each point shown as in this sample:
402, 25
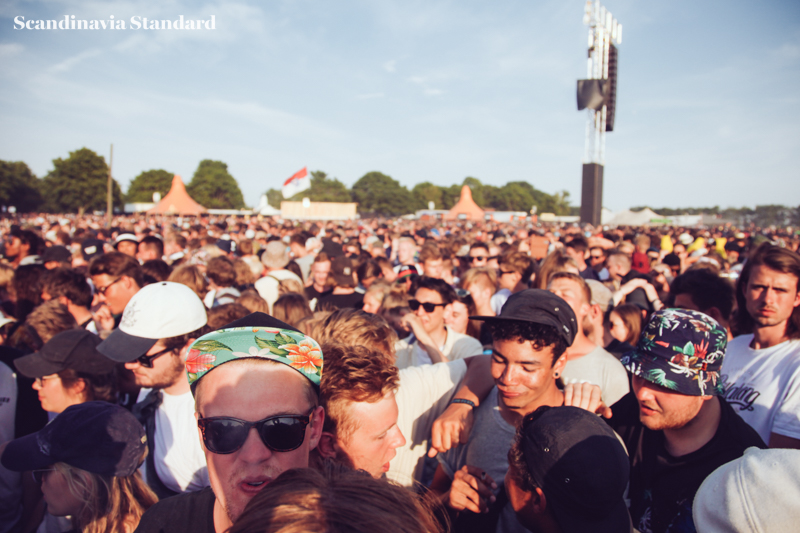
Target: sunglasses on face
474, 258
427, 306
281, 433
38, 475
147, 360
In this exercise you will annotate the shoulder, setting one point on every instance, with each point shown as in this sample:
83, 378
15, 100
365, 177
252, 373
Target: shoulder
191, 511
735, 431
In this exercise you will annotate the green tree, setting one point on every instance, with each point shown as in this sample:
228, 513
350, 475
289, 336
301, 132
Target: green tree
19, 187
79, 183
380, 194
324, 189
148, 182
427, 192
213, 187
274, 198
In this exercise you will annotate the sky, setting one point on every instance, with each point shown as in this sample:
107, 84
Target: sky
708, 102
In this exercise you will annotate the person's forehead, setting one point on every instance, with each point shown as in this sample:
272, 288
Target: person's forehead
428, 296
522, 352
763, 273
375, 417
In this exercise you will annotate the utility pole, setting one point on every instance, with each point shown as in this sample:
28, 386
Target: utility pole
109, 212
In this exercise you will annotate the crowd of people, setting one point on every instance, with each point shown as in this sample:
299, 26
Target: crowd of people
400, 375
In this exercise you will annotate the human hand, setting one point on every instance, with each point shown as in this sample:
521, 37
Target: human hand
451, 428
103, 318
586, 396
471, 490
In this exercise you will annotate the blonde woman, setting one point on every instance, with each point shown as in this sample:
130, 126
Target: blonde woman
86, 461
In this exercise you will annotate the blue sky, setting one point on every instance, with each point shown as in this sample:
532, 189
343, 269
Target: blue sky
708, 105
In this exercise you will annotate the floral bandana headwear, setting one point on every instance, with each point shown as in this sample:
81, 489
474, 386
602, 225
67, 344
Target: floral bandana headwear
680, 350
255, 336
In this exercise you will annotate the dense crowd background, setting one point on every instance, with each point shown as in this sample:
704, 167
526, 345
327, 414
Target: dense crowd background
404, 289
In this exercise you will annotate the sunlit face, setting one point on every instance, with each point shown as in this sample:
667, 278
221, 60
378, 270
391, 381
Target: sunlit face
572, 293
405, 252
54, 396
771, 296
433, 321
617, 328
128, 248
478, 257
12, 246
433, 268
147, 252
507, 277
617, 269
115, 292
661, 408
458, 317
167, 369
253, 392
60, 500
523, 374
319, 272
371, 303
374, 443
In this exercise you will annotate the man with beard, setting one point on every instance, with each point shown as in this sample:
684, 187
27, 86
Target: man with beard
675, 424
153, 338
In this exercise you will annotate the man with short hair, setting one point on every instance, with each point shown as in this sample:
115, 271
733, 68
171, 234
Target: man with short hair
586, 361
675, 424
432, 261
478, 255
761, 373
577, 487
700, 289
358, 395
317, 285
256, 389
515, 271
127, 243
530, 336
620, 272
576, 250
151, 247
56, 257
430, 303
344, 292
72, 290
597, 260
116, 278
300, 252
406, 254
221, 276
21, 247
159, 324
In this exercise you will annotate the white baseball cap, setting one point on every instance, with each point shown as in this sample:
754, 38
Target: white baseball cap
756, 493
158, 311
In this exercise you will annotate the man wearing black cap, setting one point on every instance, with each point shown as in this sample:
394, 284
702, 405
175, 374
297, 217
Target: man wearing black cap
675, 424
21, 247
530, 337
568, 473
56, 256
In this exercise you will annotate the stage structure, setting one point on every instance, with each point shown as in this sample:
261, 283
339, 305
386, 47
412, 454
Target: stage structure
598, 94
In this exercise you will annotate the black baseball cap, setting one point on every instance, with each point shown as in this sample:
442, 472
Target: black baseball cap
74, 348
56, 253
98, 437
91, 248
540, 307
580, 465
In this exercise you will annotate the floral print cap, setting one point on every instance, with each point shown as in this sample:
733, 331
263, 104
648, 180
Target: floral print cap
680, 350
256, 335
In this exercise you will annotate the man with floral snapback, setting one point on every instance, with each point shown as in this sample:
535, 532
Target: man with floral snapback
256, 373
675, 423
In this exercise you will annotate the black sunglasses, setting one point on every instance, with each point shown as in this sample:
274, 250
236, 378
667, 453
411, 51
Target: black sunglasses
147, 360
38, 475
427, 306
474, 258
281, 433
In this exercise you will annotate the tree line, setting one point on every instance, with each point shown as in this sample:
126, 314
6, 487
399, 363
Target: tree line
79, 184
762, 216
379, 194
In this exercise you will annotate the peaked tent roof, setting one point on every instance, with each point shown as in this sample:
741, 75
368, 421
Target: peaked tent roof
465, 206
177, 201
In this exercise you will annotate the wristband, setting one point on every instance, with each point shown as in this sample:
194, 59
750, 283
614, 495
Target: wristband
464, 401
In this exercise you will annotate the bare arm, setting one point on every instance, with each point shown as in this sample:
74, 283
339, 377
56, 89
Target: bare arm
424, 339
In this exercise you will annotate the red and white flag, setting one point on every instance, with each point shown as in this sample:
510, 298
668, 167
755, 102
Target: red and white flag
297, 183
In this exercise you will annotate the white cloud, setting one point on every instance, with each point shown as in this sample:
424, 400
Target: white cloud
8, 50
71, 62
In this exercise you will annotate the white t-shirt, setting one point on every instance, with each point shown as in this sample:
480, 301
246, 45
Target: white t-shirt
600, 368
763, 386
179, 460
456, 346
423, 394
498, 300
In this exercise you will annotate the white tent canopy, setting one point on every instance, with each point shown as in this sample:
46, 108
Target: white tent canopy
635, 218
265, 209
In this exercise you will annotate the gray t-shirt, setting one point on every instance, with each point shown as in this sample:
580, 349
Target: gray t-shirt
487, 449
600, 368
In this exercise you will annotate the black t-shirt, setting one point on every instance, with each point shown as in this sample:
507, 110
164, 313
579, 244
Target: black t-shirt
662, 487
312, 293
192, 512
618, 348
342, 301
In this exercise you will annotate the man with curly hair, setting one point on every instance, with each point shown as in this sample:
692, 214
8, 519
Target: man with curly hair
675, 423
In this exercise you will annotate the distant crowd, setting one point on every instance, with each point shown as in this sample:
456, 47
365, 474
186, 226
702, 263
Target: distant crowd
219, 374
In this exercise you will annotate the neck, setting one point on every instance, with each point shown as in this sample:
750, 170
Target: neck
769, 336
343, 290
484, 308
439, 337
81, 314
695, 434
181, 386
580, 346
553, 397
319, 288
596, 334
222, 521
